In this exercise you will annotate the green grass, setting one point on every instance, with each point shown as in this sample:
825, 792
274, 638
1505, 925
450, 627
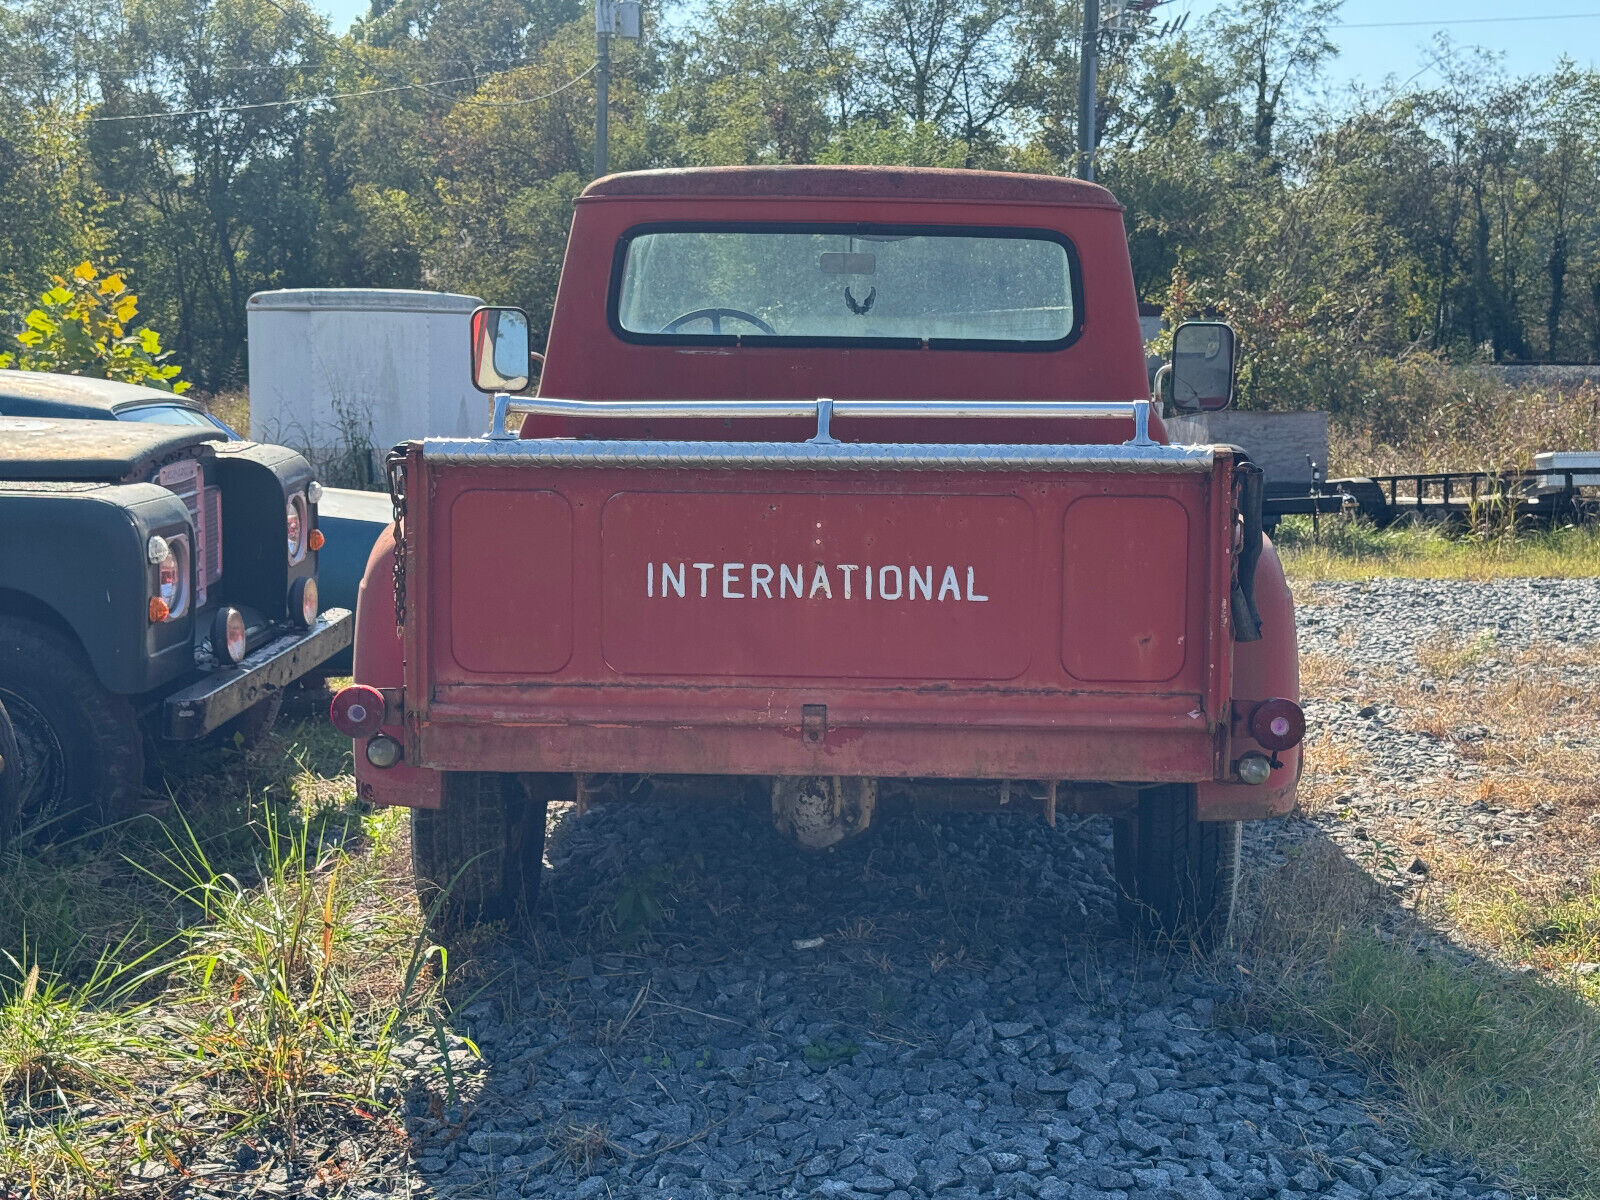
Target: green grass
1353, 548
1487, 1062
242, 966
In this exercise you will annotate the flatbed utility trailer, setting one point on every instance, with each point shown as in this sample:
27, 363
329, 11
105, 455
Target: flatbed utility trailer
1543, 496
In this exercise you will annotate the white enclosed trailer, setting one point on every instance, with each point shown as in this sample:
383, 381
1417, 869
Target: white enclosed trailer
342, 374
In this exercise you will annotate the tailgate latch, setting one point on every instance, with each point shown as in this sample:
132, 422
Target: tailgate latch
813, 723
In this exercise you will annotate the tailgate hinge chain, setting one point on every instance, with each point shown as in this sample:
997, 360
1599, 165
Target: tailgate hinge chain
394, 467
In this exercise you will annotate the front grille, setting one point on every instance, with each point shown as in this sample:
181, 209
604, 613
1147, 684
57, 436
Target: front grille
187, 481
210, 536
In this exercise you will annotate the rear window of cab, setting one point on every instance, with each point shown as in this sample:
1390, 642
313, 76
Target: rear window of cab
914, 287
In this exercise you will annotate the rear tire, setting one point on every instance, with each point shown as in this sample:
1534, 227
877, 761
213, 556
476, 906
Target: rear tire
478, 856
10, 781
252, 726
1178, 877
79, 747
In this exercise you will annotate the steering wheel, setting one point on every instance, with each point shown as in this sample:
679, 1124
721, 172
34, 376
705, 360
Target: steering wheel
715, 316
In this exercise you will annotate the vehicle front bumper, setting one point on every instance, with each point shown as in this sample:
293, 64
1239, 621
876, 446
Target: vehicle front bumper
226, 692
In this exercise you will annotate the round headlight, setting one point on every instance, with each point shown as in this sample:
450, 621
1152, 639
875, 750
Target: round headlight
314, 492
303, 602
228, 636
172, 577
299, 527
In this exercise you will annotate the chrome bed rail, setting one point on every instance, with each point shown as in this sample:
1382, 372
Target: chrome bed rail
822, 451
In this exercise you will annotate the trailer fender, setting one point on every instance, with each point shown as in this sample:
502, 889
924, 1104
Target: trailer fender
1262, 670
379, 663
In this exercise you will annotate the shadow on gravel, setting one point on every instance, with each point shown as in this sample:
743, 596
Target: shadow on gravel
944, 1006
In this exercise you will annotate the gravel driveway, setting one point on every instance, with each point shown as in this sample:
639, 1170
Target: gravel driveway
971, 1022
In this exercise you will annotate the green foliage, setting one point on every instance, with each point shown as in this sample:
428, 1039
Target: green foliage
637, 908
829, 1052
1358, 247
84, 325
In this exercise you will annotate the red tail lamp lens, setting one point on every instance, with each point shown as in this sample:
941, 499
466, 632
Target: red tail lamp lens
1277, 724
357, 711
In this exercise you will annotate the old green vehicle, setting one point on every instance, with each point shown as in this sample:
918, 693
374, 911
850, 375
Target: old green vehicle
158, 583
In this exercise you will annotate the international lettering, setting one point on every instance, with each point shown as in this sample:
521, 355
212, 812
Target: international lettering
920, 582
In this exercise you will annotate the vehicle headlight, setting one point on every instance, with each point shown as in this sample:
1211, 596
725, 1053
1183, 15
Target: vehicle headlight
299, 525
228, 636
303, 602
172, 578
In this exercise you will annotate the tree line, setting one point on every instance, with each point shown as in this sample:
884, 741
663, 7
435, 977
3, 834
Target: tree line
207, 149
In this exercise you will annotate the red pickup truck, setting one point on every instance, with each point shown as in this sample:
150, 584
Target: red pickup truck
843, 484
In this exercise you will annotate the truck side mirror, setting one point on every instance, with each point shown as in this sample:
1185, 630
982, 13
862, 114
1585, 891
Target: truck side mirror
1201, 378
500, 351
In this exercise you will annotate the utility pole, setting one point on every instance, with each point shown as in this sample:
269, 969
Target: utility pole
1087, 68
612, 18
602, 89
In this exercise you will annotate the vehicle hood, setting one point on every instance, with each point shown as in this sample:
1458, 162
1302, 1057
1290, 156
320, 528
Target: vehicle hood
33, 449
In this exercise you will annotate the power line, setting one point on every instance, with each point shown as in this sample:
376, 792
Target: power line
220, 109
1462, 21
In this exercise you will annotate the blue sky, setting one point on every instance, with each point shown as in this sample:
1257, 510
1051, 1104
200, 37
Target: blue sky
1369, 55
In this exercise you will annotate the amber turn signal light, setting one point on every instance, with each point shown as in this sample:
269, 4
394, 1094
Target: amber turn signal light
317, 540
357, 710
158, 610
1277, 724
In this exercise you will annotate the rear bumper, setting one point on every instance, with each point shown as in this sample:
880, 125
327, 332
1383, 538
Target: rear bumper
1164, 748
226, 692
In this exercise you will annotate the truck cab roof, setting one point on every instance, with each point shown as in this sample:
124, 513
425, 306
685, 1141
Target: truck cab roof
34, 449
852, 183
851, 281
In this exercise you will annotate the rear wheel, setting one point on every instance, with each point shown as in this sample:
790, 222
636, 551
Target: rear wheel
251, 727
79, 747
1178, 877
10, 780
478, 856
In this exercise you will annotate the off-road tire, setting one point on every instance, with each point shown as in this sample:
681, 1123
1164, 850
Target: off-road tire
10, 781
1177, 877
80, 747
477, 858
252, 726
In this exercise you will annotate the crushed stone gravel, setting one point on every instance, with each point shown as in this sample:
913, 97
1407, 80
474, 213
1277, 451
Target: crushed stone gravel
973, 1023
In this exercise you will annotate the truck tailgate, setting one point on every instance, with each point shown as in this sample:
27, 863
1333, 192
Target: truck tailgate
1044, 612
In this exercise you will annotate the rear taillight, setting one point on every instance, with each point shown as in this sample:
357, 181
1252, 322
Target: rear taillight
357, 710
1277, 724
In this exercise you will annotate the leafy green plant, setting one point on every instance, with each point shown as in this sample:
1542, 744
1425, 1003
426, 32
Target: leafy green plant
829, 1053
637, 908
85, 325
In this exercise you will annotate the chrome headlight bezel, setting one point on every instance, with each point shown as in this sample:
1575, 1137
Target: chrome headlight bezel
297, 519
174, 576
